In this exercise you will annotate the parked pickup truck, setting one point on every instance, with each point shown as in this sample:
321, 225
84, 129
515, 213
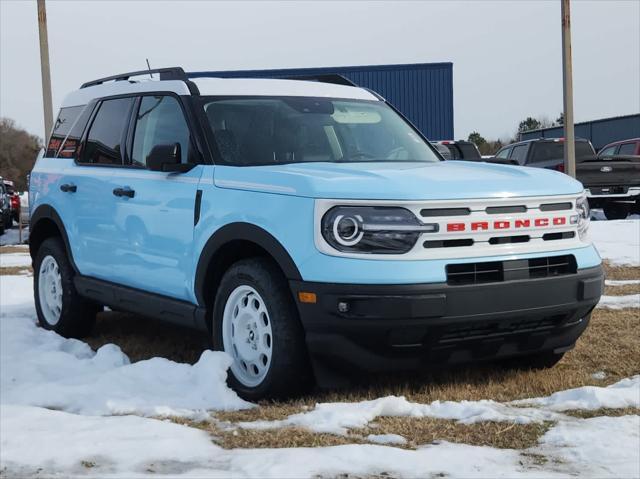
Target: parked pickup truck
305, 228
542, 153
612, 179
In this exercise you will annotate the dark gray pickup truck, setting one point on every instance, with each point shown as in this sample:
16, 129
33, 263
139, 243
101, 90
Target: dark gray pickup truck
612, 179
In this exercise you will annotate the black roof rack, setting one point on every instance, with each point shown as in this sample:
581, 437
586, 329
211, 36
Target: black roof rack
171, 73
324, 78
177, 73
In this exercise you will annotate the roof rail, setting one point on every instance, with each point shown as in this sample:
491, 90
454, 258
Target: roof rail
324, 78
171, 73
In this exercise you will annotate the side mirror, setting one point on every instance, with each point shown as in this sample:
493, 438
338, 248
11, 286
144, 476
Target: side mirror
166, 158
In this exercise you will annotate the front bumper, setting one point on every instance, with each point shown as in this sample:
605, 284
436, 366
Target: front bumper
377, 328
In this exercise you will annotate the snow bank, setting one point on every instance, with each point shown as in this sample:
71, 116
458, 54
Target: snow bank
624, 393
41, 368
8, 260
620, 302
386, 439
617, 241
337, 418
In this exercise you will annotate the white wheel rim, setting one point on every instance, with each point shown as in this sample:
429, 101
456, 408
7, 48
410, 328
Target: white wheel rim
50, 290
247, 335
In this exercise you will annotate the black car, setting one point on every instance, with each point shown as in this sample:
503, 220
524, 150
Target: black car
542, 153
459, 150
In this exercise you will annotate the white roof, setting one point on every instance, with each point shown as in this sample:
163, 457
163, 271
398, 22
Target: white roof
221, 87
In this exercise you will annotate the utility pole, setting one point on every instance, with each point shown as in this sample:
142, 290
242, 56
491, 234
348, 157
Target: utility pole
567, 79
44, 69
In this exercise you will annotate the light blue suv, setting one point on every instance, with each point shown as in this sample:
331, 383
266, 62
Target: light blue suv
305, 227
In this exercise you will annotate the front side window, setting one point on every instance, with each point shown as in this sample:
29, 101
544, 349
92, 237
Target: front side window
159, 121
627, 149
104, 141
504, 153
609, 151
264, 131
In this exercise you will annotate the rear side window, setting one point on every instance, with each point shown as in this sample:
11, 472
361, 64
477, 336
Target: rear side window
104, 144
66, 119
519, 154
469, 151
159, 121
627, 149
554, 150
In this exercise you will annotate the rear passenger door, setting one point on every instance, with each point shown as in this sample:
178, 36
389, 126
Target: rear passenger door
154, 211
89, 206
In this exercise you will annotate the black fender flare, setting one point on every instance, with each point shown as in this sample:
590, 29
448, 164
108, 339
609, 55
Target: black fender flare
244, 232
42, 213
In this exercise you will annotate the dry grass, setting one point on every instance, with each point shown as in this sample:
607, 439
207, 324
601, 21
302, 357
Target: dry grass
584, 414
14, 249
141, 338
420, 431
15, 270
622, 290
621, 272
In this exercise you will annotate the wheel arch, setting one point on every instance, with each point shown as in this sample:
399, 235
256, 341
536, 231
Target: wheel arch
231, 243
45, 223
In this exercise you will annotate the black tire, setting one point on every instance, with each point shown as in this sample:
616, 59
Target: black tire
543, 360
77, 315
616, 211
289, 373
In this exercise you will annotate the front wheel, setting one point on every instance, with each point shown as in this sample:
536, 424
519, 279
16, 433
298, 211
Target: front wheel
256, 322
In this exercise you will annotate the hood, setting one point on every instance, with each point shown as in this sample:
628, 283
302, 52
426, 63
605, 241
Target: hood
398, 180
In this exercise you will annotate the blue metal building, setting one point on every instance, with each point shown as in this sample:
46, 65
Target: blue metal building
599, 132
423, 92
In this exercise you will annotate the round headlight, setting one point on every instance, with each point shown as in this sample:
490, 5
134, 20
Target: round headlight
347, 230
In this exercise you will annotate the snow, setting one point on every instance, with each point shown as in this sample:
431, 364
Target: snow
12, 236
617, 241
40, 368
339, 417
624, 393
620, 302
386, 439
599, 375
14, 259
621, 282
602, 446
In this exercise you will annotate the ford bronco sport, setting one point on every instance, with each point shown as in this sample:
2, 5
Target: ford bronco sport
305, 227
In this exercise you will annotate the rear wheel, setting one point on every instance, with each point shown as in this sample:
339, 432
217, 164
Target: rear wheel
58, 305
616, 211
256, 322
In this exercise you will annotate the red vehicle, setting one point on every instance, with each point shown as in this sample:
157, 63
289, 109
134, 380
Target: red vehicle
624, 147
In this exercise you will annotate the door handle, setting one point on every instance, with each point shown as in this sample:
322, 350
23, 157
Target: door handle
68, 188
128, 192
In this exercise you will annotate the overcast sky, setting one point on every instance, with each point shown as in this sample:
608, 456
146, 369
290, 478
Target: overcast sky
506, 54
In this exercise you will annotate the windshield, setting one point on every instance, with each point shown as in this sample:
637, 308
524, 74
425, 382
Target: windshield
266, 131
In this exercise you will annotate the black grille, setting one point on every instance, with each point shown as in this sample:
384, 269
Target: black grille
466, 332
498, 271
454, 243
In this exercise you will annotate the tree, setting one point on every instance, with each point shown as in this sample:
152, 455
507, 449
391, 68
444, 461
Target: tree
560, 119
18, 151
476, 138
529, 124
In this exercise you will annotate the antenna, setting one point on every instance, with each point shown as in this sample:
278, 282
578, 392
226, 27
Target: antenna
149, 68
